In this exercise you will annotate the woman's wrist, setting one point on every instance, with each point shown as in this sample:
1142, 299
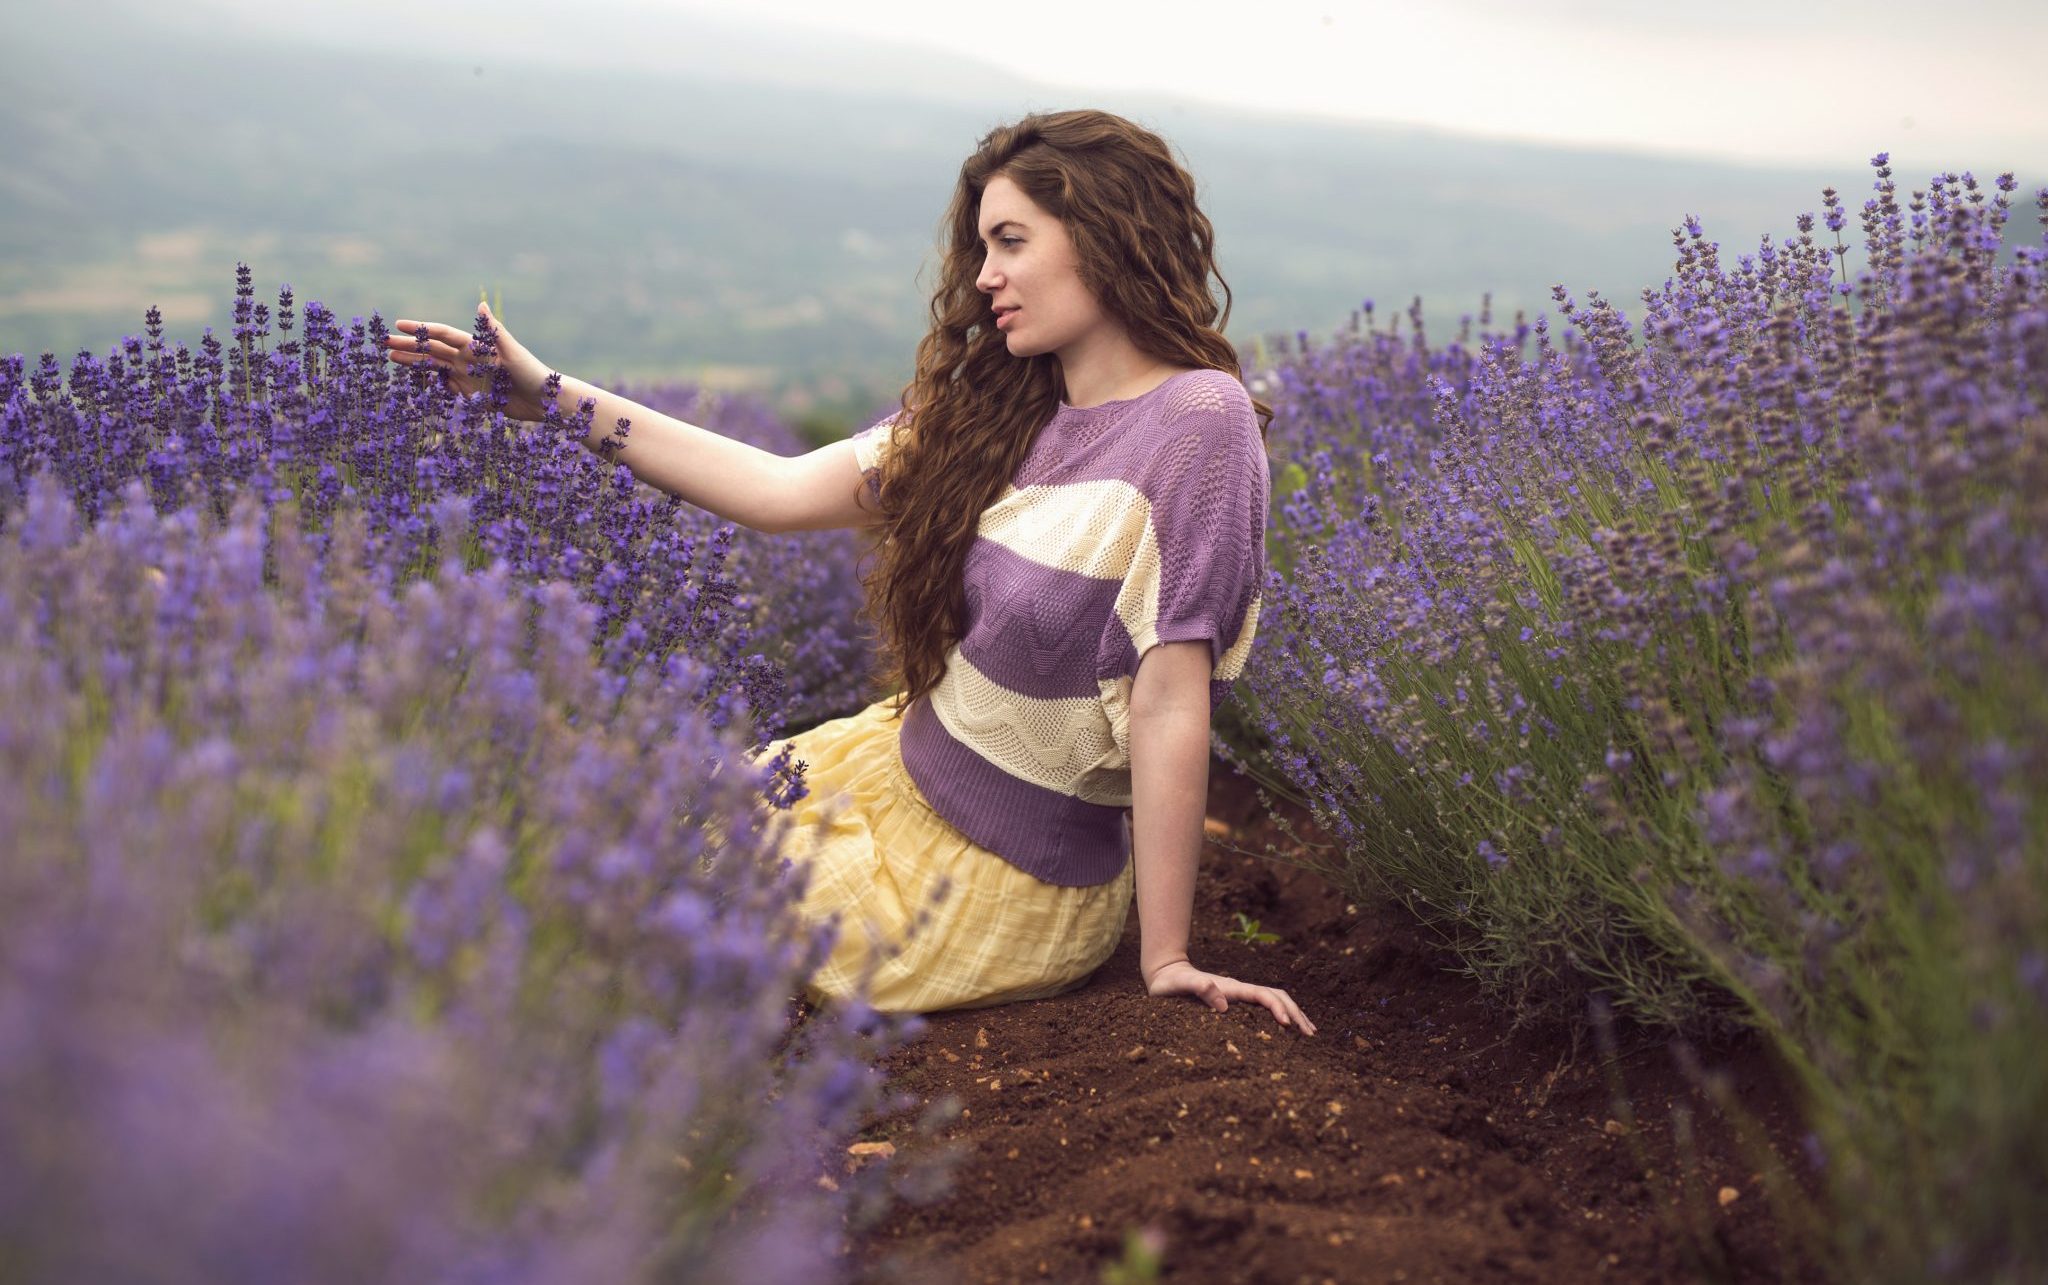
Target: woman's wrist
569, 398
1149, 969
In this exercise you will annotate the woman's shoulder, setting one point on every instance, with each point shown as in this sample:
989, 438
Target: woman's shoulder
1201, 425
1192, 394
1206, 403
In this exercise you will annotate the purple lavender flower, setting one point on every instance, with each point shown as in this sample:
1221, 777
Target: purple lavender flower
390, 838
1751, 580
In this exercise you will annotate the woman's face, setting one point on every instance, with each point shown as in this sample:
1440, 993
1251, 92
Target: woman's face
1031, 275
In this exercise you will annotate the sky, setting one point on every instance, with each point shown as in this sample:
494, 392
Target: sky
1816, 81
1761, 81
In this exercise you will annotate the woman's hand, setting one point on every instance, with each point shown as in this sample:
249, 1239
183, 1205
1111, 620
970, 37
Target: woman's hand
1215, 990
449, 352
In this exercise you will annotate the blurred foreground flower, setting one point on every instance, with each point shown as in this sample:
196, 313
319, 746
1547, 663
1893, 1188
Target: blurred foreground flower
356, 926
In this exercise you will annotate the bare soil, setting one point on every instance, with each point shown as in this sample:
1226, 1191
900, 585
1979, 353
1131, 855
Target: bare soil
1415, 1138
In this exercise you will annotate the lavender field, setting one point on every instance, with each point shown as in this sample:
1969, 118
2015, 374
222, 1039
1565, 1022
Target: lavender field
1695, 667
390, 894
384, 858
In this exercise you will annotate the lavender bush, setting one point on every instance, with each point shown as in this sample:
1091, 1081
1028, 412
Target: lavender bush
807, 620
323, 416
388, 895
1697, 662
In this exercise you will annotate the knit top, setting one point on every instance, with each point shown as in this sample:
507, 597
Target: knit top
1129, 524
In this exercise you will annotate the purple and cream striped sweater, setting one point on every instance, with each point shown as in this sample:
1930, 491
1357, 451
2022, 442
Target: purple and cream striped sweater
1129, 524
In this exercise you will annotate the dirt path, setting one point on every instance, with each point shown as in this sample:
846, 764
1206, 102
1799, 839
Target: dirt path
1413, 1139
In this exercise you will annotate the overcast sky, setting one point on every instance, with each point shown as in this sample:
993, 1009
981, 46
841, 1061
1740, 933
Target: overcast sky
1808, 81
1827, 81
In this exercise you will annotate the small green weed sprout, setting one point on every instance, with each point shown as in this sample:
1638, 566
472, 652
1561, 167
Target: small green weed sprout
1143, 1248
1247, 931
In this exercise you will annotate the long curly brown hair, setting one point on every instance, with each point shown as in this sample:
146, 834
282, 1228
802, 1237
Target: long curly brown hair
971, 412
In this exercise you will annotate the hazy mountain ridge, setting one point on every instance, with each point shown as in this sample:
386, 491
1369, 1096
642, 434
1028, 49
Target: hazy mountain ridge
642, 223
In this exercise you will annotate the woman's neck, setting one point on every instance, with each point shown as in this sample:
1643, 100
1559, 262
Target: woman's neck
1111, 373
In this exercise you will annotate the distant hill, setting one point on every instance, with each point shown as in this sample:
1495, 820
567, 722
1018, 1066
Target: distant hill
758, 215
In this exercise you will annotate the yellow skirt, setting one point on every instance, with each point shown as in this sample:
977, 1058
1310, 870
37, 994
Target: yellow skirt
942, 922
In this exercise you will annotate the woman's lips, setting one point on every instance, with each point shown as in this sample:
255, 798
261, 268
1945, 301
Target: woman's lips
1003, 318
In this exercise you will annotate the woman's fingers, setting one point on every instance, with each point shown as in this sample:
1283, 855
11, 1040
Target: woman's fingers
1217, 990
403, 331
404, 335
1278, 1002
438, 350
422, 360
1301, 1022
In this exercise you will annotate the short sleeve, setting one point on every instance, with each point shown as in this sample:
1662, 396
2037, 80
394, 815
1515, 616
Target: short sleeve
871, 447
1201, 560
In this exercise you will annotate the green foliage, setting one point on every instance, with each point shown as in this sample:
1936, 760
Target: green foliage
1247, 931
1144, 1249
823, 425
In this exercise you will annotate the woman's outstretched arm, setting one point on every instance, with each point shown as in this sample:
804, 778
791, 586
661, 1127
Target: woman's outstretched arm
737, 481
1169, 792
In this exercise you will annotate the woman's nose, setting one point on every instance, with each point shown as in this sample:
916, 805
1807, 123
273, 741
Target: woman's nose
989, 278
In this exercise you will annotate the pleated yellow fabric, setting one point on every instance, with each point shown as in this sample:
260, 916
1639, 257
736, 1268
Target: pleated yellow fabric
879, 858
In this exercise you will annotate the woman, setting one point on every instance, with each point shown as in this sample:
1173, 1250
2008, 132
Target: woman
1072, 504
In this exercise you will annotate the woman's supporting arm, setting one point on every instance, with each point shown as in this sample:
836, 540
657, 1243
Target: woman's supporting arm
1169, 794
